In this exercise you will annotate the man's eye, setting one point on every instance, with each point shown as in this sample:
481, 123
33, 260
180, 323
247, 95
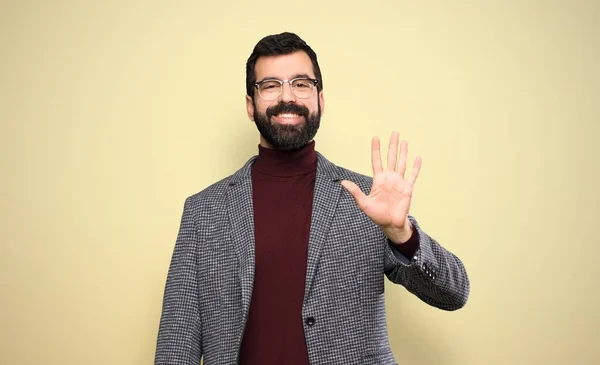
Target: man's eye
302, 83
270, 86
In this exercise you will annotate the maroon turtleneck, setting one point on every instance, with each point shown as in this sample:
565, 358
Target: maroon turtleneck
282, 195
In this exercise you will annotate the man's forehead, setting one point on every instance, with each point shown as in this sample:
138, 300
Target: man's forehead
284, 66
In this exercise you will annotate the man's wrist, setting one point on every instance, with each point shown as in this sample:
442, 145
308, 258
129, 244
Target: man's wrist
400, 236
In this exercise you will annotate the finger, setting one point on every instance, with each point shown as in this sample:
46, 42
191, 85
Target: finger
415, 171
402, 160
356, 193
376, 155
393, 152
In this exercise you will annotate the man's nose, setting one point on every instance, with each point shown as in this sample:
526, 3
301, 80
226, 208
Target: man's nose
286, 93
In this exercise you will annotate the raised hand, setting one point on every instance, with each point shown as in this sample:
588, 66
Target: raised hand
389, 201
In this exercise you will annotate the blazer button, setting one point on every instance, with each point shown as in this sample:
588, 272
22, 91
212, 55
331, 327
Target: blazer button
310, 321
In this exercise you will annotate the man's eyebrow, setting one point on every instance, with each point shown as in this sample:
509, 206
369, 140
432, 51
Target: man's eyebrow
293, 77
301, 75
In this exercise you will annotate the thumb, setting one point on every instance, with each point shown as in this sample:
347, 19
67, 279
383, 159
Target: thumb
356, 193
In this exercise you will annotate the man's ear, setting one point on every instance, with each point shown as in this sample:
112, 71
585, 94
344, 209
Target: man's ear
250, 108
322, 102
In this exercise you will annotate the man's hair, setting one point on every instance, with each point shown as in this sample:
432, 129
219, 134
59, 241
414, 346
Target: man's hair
279, 44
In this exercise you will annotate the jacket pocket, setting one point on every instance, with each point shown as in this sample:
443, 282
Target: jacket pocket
382, 357
375, 327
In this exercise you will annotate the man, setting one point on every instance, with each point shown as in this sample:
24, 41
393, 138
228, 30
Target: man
283, 262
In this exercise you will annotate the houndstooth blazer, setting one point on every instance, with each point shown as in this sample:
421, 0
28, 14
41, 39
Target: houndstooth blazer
209, 284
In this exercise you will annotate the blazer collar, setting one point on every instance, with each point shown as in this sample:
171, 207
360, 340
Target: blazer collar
327, 169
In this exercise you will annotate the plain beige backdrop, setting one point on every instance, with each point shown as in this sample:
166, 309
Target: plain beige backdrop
113, 112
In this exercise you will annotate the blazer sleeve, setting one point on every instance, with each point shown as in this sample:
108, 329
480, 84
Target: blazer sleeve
179, 335
433, 274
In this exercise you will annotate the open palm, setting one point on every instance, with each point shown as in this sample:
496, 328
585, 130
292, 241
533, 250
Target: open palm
388, 203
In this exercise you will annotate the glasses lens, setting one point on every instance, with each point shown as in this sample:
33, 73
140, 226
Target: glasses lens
269, 90
303, 88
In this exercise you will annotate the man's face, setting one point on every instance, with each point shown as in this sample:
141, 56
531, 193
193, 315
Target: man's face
288, 122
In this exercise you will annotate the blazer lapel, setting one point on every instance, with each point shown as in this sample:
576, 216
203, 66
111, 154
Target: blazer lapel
241, 220
326, 195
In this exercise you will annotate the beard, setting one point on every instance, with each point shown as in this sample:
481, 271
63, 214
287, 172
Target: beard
285, 136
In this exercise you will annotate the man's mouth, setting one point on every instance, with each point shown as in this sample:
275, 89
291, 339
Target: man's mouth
288, 118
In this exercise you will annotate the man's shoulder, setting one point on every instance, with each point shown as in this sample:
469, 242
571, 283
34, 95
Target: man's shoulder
216, 192
355, 176
363, 181
342, 173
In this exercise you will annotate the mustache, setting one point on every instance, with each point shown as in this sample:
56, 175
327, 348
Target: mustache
287, 108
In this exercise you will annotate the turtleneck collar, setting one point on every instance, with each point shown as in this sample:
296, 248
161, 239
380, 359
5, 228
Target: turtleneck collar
286, 163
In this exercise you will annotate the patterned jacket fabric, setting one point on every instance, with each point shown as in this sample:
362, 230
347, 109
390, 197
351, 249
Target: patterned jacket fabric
209, 284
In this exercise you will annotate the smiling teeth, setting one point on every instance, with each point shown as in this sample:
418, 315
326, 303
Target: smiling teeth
288, 115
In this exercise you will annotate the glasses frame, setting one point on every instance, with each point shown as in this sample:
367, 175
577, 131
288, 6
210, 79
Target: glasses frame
281, 82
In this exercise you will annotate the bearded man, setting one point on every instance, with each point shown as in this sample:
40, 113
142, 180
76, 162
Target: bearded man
284, 261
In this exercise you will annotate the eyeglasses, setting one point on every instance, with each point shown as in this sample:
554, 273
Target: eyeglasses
302, 87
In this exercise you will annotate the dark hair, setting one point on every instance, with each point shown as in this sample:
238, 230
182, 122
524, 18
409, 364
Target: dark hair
279, 44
